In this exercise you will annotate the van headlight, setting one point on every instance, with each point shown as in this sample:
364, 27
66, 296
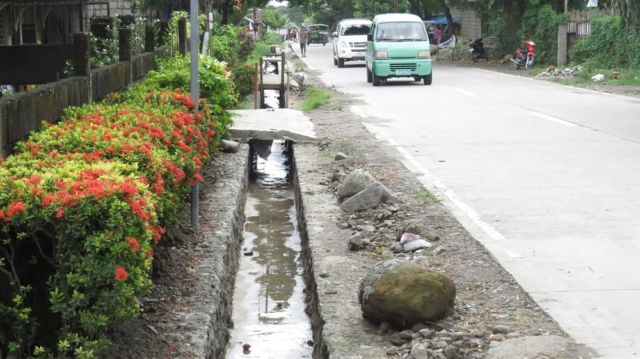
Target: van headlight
344, 44
424, 54
380, 55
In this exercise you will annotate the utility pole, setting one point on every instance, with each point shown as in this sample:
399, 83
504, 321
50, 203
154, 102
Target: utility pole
195, 96
566, 7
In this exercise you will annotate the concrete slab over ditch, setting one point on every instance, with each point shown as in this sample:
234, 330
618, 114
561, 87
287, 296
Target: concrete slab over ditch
272, 124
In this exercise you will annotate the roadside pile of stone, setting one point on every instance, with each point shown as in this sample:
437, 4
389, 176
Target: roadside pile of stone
554, 73
375, 215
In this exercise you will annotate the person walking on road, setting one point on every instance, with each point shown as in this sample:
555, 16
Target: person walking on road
303, 37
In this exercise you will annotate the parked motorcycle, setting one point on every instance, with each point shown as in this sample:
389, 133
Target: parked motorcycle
476, 48
525, 58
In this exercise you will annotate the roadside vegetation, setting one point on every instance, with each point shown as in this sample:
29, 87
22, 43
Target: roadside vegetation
425, 197
84, 202
314, 98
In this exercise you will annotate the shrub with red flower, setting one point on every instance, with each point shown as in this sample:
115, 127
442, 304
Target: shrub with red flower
87, 197
121, 274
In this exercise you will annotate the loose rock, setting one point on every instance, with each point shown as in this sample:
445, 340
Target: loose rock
406, 334
229, 146
357, 243
426, 333
451, 352
500, 329
355, 182
396, 339
370, 197
419, 351
340, 156
404, 294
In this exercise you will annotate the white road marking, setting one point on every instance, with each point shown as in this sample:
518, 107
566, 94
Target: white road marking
359, 110
552, 119
466, 92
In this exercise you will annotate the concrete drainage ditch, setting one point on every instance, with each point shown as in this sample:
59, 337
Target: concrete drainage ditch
269, 300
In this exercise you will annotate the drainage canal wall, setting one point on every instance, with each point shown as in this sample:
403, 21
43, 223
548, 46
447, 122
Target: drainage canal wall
207, 312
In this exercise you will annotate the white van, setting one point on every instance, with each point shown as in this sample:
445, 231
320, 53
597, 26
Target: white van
350, 40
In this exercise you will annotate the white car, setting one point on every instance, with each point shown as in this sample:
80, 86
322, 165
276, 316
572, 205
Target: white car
350, 40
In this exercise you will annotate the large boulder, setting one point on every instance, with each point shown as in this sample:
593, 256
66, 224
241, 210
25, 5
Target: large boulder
356, 181
404, 294
368, 198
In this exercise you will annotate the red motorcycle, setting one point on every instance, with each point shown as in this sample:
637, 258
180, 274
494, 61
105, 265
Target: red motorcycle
525, 58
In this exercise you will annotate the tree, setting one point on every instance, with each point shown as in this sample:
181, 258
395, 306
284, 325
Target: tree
369, 8
629, 10
325, 11
272, 18
295, 14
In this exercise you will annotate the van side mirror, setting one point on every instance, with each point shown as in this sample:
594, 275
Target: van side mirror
370, 37
334, 34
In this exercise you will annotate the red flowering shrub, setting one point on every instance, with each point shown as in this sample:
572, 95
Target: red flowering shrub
81, 206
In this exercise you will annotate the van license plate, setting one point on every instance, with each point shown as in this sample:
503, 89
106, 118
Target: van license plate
403, 72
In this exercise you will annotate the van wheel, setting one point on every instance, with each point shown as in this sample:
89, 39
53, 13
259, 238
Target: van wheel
369, 76
340, 62
335, 62
376, 79
428, 79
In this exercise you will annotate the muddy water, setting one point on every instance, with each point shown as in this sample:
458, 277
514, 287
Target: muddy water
268, 303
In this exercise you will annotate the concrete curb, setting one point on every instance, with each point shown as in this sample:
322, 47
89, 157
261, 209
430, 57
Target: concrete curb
332, 275
207, 313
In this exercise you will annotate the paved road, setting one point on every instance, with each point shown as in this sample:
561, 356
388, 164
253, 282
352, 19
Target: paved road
547, 177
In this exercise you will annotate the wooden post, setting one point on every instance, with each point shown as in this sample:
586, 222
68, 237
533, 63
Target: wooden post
81, 54
182, 36
261, 85
282, 69
255, 87
149, 38
124, 44
283, 89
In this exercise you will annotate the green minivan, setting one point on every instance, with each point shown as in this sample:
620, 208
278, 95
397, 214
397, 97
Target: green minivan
398, 46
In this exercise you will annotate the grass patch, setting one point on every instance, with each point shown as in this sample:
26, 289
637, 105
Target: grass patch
425, 197
247, 104
315, 98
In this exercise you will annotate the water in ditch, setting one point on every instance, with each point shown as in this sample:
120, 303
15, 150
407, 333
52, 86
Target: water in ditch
268, 303
271, 99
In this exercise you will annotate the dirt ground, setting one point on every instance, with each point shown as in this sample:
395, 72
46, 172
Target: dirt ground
488, 298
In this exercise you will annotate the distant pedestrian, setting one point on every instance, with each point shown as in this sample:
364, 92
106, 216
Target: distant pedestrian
438, 34
303, 37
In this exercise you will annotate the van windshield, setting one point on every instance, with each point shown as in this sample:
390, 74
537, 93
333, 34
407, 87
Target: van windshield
401, 31
355, 30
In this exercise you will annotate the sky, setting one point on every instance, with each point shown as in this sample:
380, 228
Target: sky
278, 3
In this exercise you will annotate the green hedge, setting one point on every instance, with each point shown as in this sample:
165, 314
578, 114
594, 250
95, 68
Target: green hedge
541, 25
83, 202
610, 45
